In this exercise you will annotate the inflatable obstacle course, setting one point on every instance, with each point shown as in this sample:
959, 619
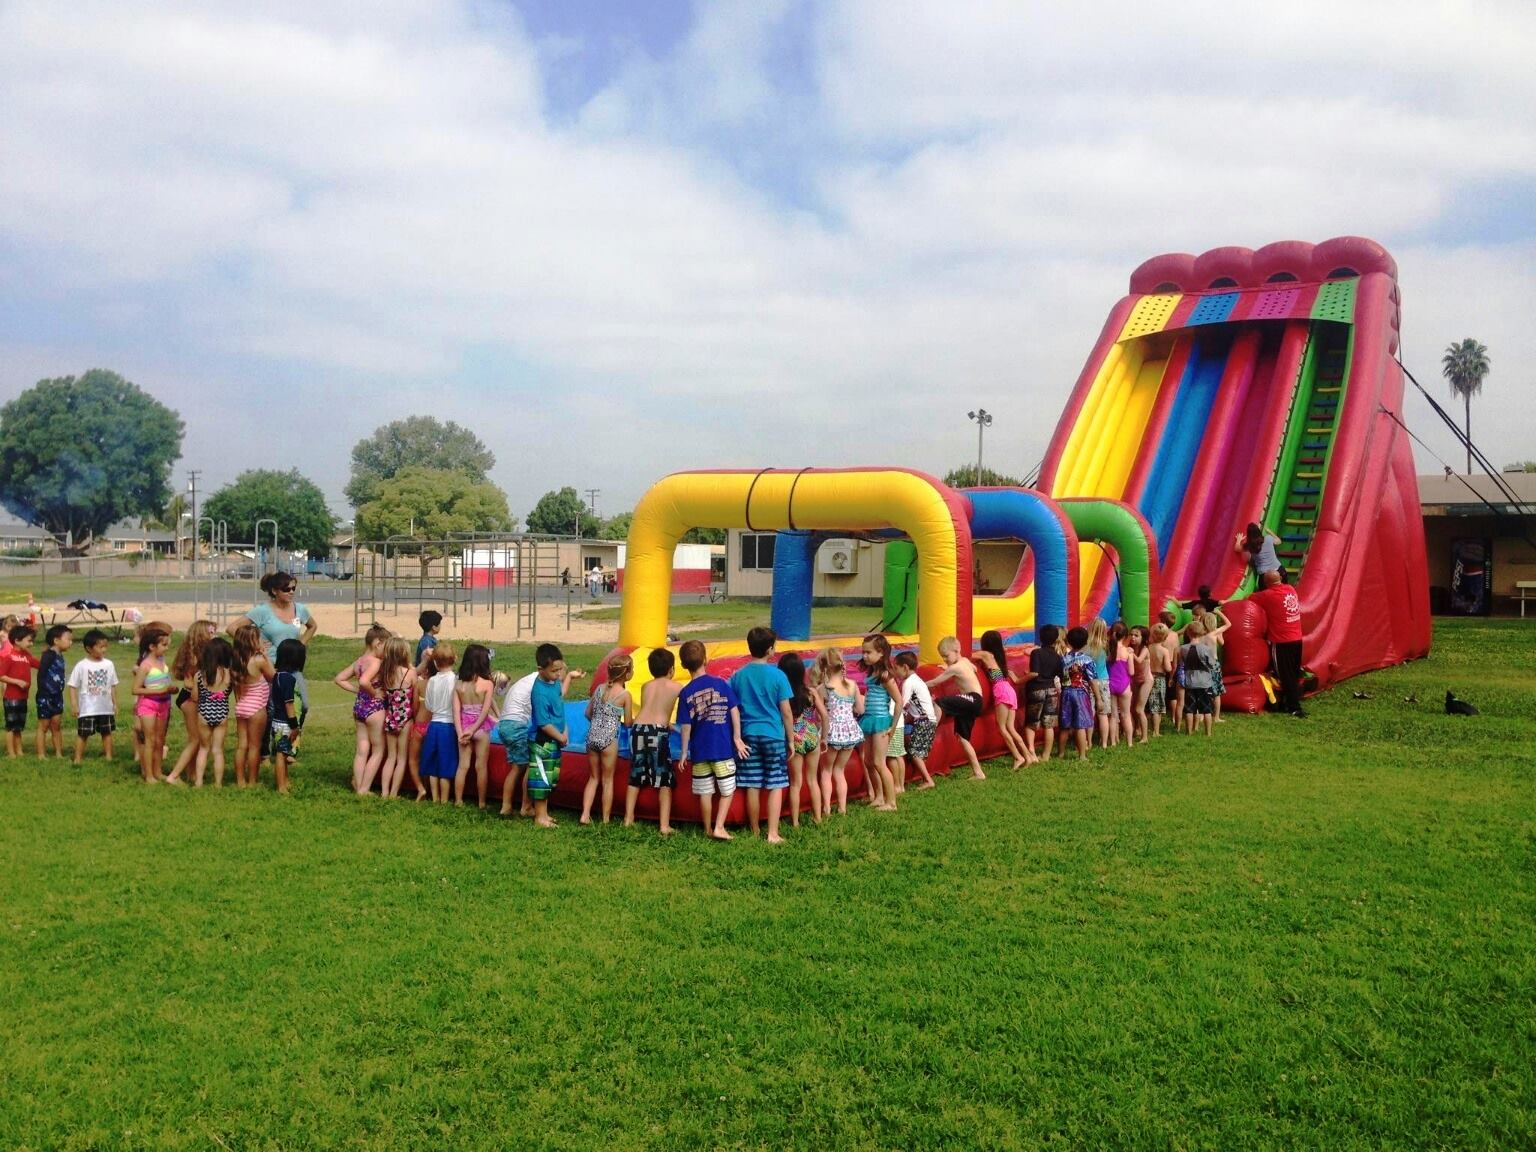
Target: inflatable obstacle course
1232, 387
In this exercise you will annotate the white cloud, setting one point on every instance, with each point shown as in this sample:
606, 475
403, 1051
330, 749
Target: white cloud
291, 204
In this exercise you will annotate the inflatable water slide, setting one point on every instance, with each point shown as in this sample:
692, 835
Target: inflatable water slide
1232, 387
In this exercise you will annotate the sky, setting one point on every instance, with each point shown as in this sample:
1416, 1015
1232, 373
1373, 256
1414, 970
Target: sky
619, 239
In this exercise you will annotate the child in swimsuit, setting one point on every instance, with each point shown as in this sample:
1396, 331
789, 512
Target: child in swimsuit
609, 707
1005, 697
472, 693
253, 690
841, 699
810, 717
396, 678
882, 688
152, 684
214, 681
368, 709
964, 707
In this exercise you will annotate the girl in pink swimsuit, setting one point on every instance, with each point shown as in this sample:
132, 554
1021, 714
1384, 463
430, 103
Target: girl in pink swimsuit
1005, 697
253, 688
1120, 657
472, 697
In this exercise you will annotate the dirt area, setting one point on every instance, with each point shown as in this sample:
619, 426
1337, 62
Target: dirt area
336, 620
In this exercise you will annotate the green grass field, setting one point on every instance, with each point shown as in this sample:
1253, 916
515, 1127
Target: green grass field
1300, 934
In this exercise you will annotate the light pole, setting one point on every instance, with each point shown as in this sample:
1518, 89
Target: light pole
983, 418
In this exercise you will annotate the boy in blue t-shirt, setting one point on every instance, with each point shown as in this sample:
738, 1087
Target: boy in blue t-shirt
767, 729
709, 719
550, 736
1077, 677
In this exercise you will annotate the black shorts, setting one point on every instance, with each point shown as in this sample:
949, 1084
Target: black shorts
49, 706
964, 709
1199, 701
650, 760
88, 726
15, 715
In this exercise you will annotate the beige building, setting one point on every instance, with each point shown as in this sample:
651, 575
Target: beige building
848, 570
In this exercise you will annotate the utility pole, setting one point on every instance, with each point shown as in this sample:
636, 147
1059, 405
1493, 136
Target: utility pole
592, 495
192, 477
983, 419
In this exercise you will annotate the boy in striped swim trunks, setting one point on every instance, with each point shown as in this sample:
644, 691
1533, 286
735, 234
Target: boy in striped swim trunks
550, 734
710, 718
650, 752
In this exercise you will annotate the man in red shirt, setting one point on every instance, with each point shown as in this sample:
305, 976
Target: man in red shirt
1282, 620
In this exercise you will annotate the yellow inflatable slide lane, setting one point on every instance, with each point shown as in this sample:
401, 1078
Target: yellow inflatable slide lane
834, 499
1106, 438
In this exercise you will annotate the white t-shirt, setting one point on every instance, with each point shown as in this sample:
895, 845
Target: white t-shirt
517, 706
94, 681
916, 698
439, 696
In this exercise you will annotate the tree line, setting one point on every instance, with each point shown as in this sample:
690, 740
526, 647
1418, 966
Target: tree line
81, 453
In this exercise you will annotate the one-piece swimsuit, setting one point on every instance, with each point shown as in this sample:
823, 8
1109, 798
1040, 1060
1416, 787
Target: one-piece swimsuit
604, 728
212, 706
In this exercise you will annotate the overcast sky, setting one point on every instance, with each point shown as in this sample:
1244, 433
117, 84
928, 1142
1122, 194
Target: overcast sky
622, 238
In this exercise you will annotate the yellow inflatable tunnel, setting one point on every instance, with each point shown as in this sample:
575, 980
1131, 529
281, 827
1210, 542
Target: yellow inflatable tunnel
833, 499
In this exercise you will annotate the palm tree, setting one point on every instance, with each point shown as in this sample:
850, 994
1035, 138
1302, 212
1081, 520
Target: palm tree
1465, 365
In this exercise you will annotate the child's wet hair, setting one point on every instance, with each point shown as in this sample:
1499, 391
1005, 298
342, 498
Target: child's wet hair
476, 664
217, 653
992, 644
1159, 632
375, 634
692, 654
660, 662
290, 656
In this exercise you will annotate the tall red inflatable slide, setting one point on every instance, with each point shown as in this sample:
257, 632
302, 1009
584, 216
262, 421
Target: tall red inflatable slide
1262, 386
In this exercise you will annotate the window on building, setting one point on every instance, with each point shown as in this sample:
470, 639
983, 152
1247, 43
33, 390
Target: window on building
757, 551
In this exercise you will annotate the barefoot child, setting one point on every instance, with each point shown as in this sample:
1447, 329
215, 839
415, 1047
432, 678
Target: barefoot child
1078, 674
396, 678
917, 706
152, 685
287, 706
610, 708
709, 717
650, 752
51, 677
1197, 660
1141, 679
93, 696
550, 735
1042, 692
184, 671
844, 705
368, 710
472, 695
1005, 696
215, 683
17, 674
810, 723
439, 709
767, 730
964, 707
1160, 660
1175, 691
881, 690
253, 696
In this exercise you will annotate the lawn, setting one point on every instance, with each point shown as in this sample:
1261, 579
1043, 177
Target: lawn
730, 619
1300, 934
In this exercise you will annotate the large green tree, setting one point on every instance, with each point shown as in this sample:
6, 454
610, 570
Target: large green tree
304, 523
965, 477
77, 454
616, 527
417, 441
1466, 365
433, 503
556, 514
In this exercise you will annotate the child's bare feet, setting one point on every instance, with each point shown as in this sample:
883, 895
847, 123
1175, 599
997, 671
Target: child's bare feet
507, 810
978, 774
1017, 764
775, 838
720, 834
925, 785
664, 830
544, 822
